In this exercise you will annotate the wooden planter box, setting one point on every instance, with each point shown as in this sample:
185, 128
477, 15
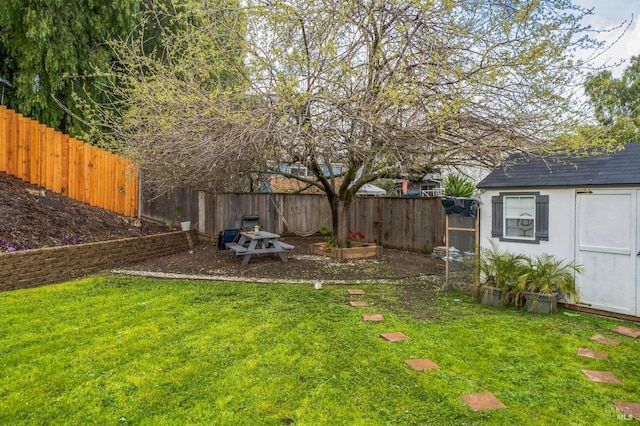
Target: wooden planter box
362, 251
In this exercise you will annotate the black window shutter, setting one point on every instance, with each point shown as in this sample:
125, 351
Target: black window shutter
542, 217
496, 216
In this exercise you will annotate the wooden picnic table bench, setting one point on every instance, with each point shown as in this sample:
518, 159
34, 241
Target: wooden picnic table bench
261, 242
236, 248
286, 246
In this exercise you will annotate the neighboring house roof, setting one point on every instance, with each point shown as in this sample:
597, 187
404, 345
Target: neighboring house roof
618, 168
370, 189
279, 184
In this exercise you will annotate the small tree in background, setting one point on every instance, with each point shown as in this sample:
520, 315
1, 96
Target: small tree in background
616, 102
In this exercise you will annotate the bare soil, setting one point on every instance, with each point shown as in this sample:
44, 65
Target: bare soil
393, 265
31, 217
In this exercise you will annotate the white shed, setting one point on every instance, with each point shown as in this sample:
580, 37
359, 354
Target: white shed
582, 209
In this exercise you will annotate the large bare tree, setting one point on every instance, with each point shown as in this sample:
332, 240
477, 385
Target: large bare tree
377, 87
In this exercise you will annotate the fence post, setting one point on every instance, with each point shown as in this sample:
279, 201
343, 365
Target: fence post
279, 204
212, 216
202, 212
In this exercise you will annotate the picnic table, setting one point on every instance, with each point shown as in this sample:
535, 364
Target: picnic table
260, 242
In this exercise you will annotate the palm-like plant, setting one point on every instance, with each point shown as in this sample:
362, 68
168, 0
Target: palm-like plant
545, 274
456, 185
501, 270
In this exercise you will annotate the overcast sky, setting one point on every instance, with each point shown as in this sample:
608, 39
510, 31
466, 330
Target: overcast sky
609, 14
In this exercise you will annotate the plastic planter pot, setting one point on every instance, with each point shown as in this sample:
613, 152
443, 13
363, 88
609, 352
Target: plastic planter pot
541, 303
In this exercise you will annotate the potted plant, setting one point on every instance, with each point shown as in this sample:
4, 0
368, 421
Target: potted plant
499, 273
546, 279
184, 225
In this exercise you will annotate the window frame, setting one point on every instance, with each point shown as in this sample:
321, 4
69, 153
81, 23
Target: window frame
299, 170
506, 217
541, 223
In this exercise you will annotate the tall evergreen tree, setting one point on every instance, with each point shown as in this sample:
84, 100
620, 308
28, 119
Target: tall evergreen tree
48, 48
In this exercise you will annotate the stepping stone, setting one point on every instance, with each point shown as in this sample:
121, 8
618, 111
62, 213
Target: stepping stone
631, 409
482, 401
373, 317
605, 340
360, 304
626, 331
356, 292
602, 376
422, 364
592, 354
394, 337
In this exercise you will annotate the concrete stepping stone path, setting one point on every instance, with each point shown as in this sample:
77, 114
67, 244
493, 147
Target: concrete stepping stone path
373, 317
605, 340
359, 304
626, 331
394, 337
482, 401
422, 364
630, 409
486, 400
602, 376
588, 353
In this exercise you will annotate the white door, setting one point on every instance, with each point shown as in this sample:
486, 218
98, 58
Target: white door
607, 247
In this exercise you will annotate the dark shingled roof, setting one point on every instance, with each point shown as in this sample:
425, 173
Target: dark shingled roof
619, 168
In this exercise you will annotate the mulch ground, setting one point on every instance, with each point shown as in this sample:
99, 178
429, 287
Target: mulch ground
393, 265
32, 217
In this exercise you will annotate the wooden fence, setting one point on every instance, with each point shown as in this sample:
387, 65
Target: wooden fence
402, 223
45, 157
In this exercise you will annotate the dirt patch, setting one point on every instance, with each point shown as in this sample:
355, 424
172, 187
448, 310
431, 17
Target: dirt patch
204, 259
31, 217
419, 277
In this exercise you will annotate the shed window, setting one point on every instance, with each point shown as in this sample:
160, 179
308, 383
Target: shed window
520, 217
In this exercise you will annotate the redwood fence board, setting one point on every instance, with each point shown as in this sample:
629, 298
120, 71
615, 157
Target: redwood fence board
50, 159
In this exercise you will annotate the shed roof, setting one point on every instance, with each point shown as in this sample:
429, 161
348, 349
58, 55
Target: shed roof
619, 168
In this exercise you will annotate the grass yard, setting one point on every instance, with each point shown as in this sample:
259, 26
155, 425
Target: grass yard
110, 350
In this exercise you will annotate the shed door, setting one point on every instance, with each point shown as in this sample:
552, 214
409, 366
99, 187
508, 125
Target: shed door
607, 244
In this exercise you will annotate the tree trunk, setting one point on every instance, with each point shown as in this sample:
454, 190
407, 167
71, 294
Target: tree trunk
339, 210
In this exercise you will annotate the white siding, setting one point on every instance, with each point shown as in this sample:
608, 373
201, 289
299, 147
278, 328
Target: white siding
561, 224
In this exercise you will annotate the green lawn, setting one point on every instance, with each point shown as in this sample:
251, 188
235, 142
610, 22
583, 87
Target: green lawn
107, 349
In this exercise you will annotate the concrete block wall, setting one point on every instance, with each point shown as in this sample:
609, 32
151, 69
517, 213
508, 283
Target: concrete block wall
32, 268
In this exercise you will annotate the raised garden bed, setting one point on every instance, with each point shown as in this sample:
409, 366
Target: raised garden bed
359, 251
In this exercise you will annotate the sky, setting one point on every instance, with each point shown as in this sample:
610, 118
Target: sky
609, 14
